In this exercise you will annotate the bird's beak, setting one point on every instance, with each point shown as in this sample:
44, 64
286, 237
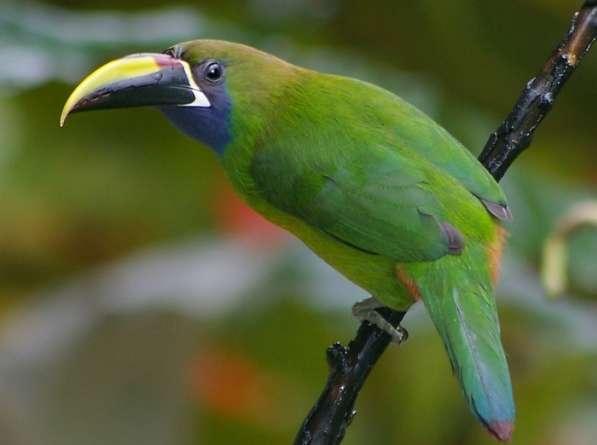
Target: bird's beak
134, 81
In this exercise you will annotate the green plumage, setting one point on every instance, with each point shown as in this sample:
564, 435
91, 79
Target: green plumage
371, 184
368, 182
459, 300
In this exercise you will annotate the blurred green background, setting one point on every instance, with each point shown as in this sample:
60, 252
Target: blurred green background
140, 302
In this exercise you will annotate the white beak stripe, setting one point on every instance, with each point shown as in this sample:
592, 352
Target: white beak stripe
201, 99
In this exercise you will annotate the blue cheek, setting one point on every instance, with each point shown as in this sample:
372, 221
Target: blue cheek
210, 126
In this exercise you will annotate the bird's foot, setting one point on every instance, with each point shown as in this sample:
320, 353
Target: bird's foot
366, 310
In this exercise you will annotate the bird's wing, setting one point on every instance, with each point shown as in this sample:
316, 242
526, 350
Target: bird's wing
374, 200
425, 137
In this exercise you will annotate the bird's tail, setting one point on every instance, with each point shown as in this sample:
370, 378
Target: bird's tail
459, 299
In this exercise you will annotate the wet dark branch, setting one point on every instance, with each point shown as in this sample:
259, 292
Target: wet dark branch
517, 131
350, 366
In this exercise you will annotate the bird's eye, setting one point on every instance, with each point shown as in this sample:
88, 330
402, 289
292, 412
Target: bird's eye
214, 72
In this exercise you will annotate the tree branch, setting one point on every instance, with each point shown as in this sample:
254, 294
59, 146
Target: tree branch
350, 366
517, 131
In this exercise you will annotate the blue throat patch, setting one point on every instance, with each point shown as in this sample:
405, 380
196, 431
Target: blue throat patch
210, 126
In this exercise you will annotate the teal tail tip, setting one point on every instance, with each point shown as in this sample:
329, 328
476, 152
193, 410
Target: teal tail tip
502, 431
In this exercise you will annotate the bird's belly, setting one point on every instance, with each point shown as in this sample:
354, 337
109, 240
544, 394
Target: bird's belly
374, 273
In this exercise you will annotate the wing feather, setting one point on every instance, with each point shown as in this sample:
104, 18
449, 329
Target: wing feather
376, 201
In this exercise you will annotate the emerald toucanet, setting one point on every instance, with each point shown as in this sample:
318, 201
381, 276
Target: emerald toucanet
370, 183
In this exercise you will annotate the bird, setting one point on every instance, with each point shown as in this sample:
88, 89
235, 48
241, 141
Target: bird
371, 184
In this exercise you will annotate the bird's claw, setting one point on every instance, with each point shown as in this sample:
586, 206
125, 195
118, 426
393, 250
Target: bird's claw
366, 310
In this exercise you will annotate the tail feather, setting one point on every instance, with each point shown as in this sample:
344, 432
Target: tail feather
461, 305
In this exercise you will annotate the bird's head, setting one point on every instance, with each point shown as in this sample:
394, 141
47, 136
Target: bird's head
209, 89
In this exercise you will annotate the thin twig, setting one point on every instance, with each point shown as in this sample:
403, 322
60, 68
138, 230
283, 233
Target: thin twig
331, 415
517, 131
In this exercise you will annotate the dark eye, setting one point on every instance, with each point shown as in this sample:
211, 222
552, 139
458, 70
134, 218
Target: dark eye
214, 71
